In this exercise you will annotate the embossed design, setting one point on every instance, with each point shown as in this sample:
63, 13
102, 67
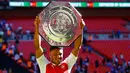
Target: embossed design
60, 23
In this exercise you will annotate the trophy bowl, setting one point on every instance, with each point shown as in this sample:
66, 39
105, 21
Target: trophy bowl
60, 23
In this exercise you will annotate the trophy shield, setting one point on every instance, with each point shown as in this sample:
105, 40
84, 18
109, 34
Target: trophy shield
60, 23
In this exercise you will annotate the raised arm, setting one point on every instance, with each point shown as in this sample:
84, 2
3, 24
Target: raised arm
78, 41
37, 39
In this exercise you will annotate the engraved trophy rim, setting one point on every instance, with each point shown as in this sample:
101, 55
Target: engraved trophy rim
54, 33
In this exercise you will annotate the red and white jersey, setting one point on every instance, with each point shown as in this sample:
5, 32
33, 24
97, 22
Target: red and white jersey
64, 67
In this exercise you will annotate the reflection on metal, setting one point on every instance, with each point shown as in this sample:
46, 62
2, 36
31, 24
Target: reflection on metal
60, 23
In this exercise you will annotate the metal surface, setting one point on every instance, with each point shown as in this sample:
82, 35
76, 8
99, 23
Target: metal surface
60, 23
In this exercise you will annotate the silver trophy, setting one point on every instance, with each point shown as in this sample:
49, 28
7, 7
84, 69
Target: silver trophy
60, 23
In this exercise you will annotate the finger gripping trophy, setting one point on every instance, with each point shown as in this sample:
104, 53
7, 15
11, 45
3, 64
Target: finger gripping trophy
60, 23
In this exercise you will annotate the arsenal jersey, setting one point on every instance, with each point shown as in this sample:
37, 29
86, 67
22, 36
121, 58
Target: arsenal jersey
64, 67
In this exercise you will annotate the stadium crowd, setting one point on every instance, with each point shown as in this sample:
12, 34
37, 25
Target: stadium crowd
8, 34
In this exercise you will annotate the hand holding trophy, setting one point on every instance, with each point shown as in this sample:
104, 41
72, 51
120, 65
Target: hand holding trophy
36, 21
59, 24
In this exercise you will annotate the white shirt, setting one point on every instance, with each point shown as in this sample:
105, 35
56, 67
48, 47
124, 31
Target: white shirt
43, 62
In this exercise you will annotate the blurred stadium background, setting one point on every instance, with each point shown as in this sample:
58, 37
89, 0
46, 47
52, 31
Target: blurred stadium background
106, 41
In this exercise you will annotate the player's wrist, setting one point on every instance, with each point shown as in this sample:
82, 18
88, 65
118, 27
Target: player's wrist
77, 47
36, 29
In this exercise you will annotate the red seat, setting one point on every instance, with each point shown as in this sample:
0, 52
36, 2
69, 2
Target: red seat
109, 47
1, 71
105, 25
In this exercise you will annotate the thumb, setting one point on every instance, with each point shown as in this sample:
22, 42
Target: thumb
37, 21
82, 24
